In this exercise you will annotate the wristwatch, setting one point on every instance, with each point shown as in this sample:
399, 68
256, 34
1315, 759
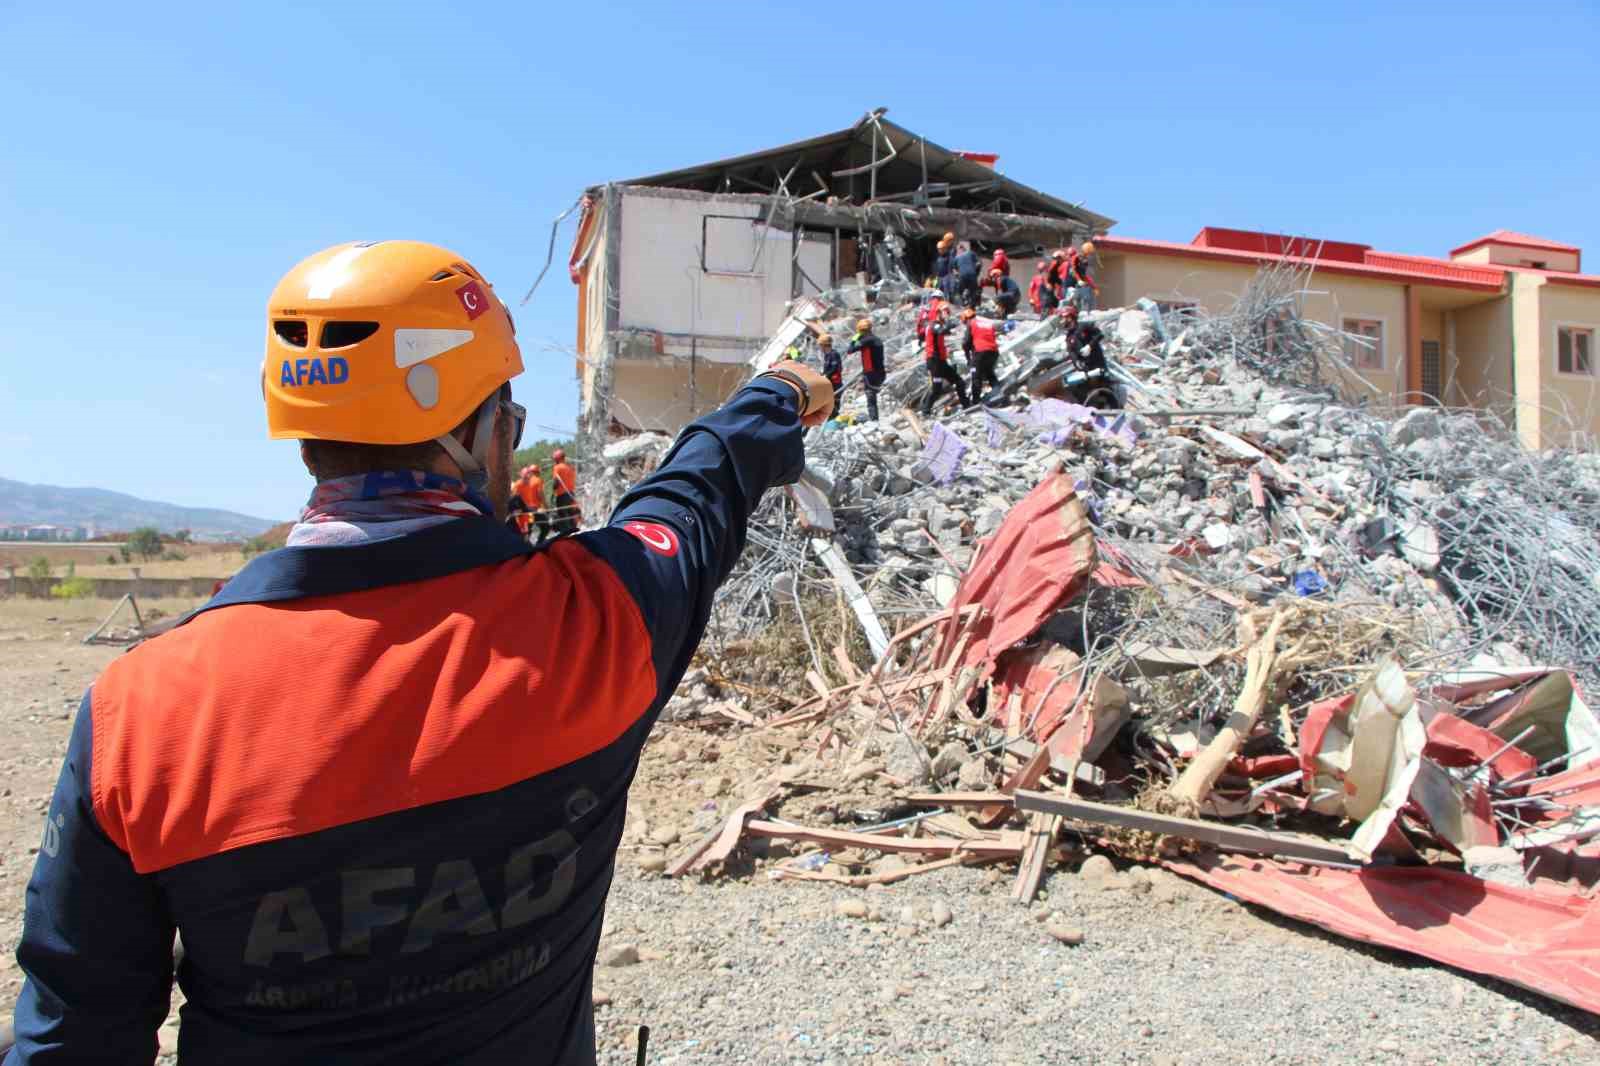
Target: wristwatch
797, 381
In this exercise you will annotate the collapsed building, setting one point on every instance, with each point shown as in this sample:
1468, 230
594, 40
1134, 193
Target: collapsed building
683, 276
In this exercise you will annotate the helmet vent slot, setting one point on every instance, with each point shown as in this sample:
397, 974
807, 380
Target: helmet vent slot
344, 334
443, 275
290, 331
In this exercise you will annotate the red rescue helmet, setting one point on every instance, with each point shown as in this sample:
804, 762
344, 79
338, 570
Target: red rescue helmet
558, 456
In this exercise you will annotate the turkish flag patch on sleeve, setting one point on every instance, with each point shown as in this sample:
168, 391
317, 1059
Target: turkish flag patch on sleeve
656, 537
473, 299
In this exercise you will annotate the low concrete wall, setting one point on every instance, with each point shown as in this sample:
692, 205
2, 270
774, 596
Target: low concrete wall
111, 588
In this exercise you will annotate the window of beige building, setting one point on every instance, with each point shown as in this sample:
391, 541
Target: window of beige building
1365, 353
1575, 350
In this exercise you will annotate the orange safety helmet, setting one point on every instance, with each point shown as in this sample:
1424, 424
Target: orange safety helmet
997, 273
825, 339
534, 469
384, 342
1088, 248
864, 325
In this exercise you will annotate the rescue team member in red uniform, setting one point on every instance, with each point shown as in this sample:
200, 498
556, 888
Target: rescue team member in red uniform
873, 367
1000, 262
1084, 293
1038, 287
936, 355
981, 346
378, 783
565, 494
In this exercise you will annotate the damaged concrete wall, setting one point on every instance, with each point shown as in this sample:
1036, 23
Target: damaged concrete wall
701, 265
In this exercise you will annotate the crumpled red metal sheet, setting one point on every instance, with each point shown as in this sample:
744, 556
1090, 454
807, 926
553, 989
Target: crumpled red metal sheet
1545, 940
1456, 742
1039, 558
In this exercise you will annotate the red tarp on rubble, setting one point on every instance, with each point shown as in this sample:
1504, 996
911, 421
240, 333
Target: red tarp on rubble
1545, 940
1040, 557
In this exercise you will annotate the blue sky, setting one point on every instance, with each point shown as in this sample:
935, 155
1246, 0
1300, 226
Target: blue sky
164, 164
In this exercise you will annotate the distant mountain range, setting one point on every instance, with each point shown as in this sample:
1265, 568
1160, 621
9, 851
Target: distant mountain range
27, 505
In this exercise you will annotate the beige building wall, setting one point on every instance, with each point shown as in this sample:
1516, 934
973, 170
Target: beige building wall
1215, 285
1571, 401
1124, 277
1528, 364
1337, 297
1481, 373
1517, 256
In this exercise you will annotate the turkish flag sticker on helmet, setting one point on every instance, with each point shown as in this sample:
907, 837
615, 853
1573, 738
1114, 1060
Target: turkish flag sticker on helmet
657, 538
473, 298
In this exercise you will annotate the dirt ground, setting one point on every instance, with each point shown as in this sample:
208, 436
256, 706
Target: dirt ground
719, 954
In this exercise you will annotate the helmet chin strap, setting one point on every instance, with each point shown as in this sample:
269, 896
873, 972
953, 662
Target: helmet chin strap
475, 464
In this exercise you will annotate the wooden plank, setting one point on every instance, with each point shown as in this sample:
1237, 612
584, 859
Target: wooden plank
888, 878
1009, 844
1224, 837
1042, 829
719, 843
1025, 777
847, 668
953, 799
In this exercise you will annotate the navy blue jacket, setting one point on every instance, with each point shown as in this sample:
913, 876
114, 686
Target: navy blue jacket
379, 788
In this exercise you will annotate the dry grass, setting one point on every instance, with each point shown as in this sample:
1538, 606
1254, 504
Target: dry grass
24, 615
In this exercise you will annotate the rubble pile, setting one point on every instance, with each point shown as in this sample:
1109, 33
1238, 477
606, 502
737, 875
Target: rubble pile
1324, 656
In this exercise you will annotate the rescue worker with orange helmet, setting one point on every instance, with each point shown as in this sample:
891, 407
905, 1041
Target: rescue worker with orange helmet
832, 368
564, 492
936, 357
944, 266
378, 782
1006, 293
873, 368
532, 493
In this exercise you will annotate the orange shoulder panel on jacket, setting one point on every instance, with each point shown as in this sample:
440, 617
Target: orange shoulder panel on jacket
263, 721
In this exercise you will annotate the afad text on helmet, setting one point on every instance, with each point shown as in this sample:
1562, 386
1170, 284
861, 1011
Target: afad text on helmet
298, 372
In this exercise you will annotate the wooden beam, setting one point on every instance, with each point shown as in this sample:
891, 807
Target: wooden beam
1224, 837
1009, 843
